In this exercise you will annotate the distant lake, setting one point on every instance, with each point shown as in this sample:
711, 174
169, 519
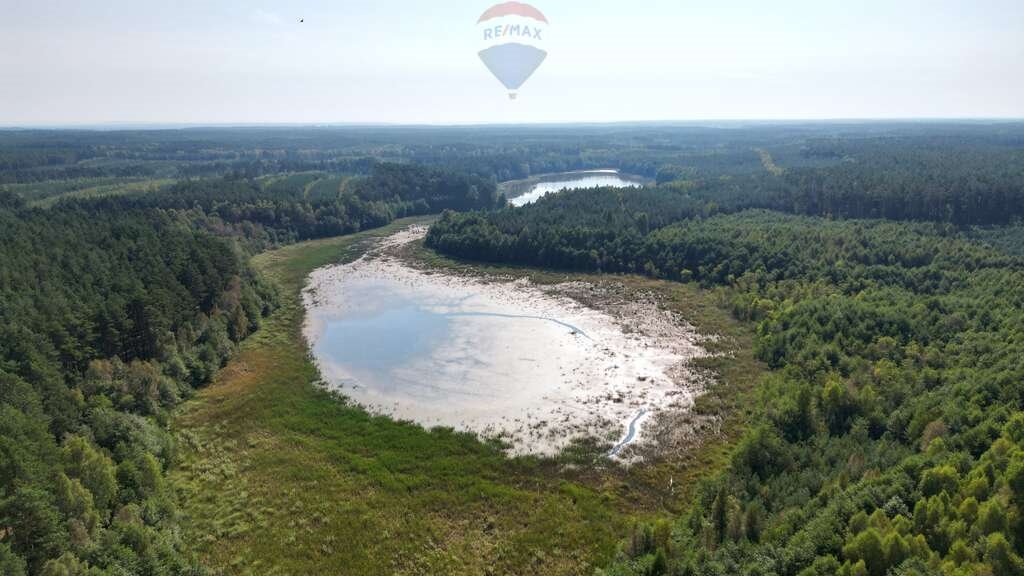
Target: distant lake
573, 181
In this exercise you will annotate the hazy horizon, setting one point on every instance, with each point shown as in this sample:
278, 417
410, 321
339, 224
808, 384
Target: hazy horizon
230, 63
708, 123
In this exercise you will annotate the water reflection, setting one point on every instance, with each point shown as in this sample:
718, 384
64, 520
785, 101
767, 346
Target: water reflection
502, 359
576, 181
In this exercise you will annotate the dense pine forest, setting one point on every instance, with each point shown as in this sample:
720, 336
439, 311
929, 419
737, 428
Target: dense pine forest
888, 438
110, 318
114, 310
882, 266
890, 433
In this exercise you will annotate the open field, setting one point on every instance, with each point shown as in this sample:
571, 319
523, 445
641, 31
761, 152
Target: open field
277, 476
46, 194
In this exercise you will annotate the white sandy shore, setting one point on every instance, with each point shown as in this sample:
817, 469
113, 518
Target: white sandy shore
525, 363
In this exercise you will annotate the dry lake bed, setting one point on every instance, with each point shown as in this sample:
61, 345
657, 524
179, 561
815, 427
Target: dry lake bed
528, 364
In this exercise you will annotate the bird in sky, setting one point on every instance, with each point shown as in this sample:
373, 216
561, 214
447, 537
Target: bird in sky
301, 20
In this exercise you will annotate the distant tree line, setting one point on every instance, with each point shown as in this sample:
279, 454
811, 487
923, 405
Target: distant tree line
501, 153
962, 187
276, 210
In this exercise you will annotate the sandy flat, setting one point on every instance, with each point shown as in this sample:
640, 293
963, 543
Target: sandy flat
528, 364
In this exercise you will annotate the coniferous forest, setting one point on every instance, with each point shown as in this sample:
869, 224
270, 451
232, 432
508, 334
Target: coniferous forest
114, 310
888, 438
880, 267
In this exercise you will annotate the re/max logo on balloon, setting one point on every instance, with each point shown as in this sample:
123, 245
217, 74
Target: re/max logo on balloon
512, 30
513, 48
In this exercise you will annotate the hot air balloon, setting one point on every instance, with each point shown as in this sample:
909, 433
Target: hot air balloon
513, 35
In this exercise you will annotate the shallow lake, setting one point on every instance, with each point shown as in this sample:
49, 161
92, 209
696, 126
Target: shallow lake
502, 359
576, 181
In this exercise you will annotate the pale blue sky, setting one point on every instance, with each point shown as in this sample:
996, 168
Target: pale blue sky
402, 61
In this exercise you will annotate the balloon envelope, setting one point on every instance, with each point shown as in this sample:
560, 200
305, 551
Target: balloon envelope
513, 63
